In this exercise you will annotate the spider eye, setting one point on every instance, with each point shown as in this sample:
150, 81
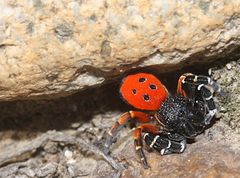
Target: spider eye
146, 97
134, 91
153, 87
142, 79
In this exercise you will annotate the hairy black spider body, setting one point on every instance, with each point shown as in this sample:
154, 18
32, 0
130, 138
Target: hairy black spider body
179, 115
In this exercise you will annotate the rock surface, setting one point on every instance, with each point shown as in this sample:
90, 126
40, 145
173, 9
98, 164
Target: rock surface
54, 48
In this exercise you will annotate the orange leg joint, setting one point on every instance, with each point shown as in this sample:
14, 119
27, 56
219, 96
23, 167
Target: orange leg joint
138, 140
122, 121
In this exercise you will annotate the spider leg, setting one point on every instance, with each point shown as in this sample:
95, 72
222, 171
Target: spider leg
122, 121
208, 98
187, 81
165, 142
200, 88
181, 82
138, 140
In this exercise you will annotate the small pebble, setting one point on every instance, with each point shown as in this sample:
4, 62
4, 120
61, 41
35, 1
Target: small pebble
76, 125
210, 71
229, 66
68, 154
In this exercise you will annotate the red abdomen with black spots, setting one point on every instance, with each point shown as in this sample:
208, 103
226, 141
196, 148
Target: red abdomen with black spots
143, 91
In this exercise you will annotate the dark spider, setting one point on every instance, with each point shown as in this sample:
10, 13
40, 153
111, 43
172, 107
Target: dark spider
176, 117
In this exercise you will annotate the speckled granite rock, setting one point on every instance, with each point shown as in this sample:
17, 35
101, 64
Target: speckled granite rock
53, 48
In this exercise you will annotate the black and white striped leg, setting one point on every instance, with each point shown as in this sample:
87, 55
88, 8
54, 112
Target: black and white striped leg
201, 79
207, 96
165, 143
200, 88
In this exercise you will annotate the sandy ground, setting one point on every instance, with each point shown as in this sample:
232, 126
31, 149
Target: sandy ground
62, 138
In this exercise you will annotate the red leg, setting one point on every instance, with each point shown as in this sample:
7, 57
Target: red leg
135, 115
138, 140
181, 81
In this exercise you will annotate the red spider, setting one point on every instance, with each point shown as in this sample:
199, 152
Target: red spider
174, 118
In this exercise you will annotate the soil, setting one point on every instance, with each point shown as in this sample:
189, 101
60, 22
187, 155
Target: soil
64, 137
